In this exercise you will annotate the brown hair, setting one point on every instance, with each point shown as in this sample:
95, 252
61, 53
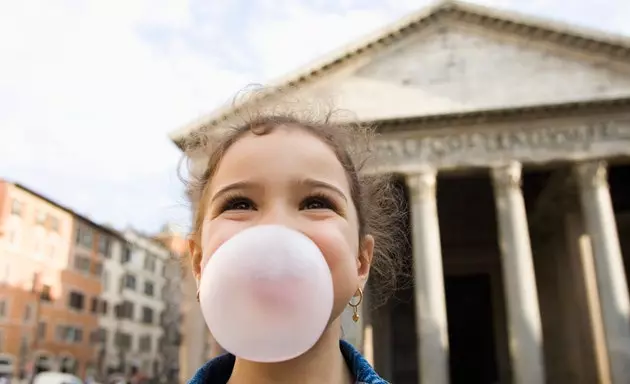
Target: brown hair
376, 198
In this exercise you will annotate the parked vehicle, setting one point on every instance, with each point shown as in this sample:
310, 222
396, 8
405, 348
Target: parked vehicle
56, 378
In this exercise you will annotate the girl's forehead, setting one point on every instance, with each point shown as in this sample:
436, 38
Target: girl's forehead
285, 147
281, 154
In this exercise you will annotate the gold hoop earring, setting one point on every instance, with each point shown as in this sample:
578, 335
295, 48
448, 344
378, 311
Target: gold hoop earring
355, 306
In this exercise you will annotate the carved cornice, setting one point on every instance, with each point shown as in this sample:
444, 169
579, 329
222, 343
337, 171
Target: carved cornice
503, 115
592, 174
544, 30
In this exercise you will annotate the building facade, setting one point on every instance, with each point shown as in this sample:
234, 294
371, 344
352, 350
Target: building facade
137, 329
52, 260
108, 354
34, 250
178, 302
510, 138
196, 344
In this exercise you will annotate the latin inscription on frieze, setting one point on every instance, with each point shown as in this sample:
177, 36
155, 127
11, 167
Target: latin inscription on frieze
526, 145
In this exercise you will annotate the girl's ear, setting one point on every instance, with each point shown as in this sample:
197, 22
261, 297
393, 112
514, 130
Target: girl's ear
364, 261
195, 258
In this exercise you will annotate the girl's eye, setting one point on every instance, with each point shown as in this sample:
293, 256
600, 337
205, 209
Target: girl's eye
238, 204
317, 202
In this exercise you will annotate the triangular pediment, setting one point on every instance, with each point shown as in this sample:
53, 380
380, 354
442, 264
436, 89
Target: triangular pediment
455, 58
455, 67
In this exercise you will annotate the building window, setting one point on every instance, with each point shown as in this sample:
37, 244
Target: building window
123, 340
54, 223
104, 245
84, 236
24, 344
147, 315
103, 335
81, 263
16, 207
3, 309
144, 343
130, 281
97, 268
40, 217
148, 288
69, 334
149, 262
94, 305
45, 294
76, 301
126, 255
41, 330
125, 310
28, 313
98, 336
104, 307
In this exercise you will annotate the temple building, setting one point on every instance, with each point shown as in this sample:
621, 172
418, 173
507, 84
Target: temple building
510, 137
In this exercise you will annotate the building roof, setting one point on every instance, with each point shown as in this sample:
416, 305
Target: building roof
595, 42
101, 227
135, 235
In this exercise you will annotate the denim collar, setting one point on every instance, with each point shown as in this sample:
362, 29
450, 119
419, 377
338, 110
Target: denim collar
219, 369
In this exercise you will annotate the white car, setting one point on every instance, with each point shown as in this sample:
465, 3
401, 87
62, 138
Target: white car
56, 378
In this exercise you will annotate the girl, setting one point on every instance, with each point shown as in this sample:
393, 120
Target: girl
300, 173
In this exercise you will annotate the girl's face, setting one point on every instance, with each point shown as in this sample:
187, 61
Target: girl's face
289, 177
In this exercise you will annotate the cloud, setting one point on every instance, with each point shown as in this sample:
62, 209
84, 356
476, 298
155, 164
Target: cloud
302, 32
85, 96
90, 89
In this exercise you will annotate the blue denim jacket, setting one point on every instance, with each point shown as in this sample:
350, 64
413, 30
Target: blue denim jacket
219, 370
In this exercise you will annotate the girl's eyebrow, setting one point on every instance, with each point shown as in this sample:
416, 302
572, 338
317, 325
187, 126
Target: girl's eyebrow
249, 185
234, 186
314, 183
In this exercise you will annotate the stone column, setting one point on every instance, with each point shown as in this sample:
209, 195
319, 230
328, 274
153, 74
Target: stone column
611, 279
524, 325
431, 324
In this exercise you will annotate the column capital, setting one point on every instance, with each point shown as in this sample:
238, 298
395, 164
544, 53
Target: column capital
422, 184
592, 174
507, 177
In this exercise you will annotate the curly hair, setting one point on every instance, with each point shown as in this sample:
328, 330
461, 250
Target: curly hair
377, 199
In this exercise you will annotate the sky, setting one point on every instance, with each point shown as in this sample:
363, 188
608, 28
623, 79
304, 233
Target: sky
90, 89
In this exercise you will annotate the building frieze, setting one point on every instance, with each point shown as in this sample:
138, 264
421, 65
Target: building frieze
540, 143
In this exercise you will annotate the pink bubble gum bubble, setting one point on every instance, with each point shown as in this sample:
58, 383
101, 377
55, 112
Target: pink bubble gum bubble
267, 294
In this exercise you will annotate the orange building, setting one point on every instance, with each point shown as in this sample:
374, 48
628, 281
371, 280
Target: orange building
51, 260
